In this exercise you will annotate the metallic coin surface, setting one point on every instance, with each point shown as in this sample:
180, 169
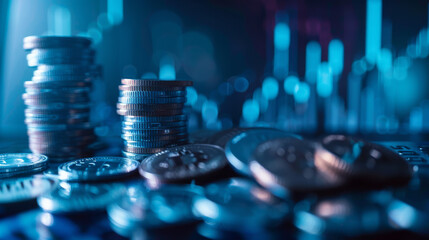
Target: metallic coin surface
12, 161
32, 42
239, 149
96, 168
183, 163
156, 83
78, 197
362, 161
284, 165
345, 216
240, 203
25, 188
141, 208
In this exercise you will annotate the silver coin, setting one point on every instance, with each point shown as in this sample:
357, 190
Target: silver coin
183, 163
25, 188
141, 208
240, 203
344, 216
284, 165
240, 148
97, 168
9, 162
135, 156
74, 197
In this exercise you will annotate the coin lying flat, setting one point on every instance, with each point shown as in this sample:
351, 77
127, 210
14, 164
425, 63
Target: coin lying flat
362, 161
97, 168
78, 197
26, 188
140, 208
239, 149
14, 161
183, 163
240, 204
350, 215
288, 164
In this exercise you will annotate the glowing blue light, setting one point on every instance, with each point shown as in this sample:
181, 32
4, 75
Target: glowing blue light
167, 70
359, 67
290, 83
198, 105
281, 36
259, 97
149, 75
270, 88
384, 61
95, 34
191, 96
302, 92
59, 21
412, 51
250, 110
313, 57
336, 56
402, 214
115, 11
324, 80
209, 111
373, 29
241, 84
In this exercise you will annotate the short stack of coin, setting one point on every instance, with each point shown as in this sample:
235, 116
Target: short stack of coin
153, 116
58, 96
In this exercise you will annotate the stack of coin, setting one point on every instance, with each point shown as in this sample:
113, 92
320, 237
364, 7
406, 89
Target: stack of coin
58, 96
153, 117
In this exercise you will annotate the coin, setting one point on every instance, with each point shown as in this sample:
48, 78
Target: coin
141, 208
32, 42
344, 216
239, 149
152, 94
155, 83
183, 163
97, 168
26, 188
288, 164
79, 197
362, 161
240, 204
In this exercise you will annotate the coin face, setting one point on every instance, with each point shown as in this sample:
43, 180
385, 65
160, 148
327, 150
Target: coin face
240, 203
239, 149
77, 197
288, 164
183, 163
25, 188
96, 168
362, 161
15, 161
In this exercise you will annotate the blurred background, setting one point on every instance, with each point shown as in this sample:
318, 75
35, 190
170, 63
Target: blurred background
307, 66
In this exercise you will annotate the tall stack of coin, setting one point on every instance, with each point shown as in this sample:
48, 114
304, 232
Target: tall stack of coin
153, 117
58, 96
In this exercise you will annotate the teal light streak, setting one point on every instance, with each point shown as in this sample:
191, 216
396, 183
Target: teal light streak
115, 11
324, 80
270, 88
250, 111
281, 36
167, 69
313, 57
302, 92
191, 96
373, 29
209, 111
336, 56
290, 83
384, 61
